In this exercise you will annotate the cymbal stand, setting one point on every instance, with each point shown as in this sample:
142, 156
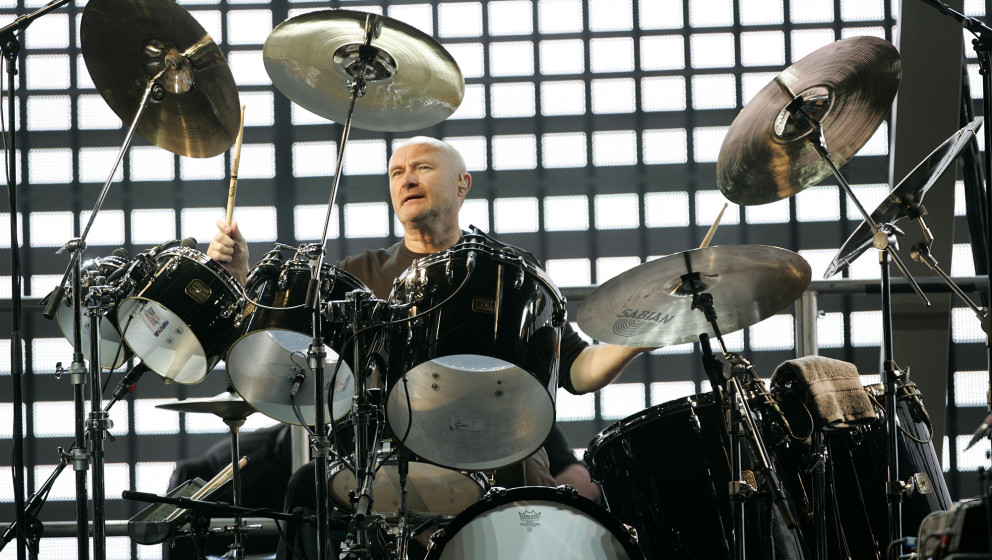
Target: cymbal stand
360, 65
740, 422
801, 112
98, 422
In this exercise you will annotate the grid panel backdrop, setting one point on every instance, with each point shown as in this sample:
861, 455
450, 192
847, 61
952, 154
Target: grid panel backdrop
591, 128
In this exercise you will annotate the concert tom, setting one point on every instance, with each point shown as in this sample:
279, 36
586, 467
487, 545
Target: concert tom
666, 472
183, 315
476, 351
278, 331
109, 271
857, 471
534, 522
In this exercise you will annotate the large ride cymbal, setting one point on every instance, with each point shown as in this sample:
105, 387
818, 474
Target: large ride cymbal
651, 305
847, 85
412, 82
907, 195
127, 42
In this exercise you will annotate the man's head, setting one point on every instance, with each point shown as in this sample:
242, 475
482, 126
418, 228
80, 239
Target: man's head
427, 184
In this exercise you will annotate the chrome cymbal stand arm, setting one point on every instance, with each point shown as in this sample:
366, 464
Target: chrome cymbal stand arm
884, 241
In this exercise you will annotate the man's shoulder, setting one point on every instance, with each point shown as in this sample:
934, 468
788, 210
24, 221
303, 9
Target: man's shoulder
378, 256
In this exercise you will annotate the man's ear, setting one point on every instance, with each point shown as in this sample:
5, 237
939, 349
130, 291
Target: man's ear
464, 183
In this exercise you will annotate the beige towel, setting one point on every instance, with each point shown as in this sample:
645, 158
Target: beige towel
830, 388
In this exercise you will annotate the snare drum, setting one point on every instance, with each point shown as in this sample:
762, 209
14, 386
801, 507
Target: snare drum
666, 471
278, 329
534, 522
111, 346
480, 357
432, 491
184, 315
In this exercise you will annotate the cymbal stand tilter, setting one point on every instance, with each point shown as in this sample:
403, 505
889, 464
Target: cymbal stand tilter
740, 419
801, 118
364, 64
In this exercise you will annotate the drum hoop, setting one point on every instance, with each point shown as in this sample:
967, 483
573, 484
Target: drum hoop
649, 414
201, 258
297, 265
504, 254
560, 495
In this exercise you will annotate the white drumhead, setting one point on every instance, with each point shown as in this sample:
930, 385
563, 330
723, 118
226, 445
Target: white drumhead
163, 341
537, 529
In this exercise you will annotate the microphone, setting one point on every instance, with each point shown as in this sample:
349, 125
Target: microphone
983, 430
188, 242
120, 252
54, 300
154, 251
127, 383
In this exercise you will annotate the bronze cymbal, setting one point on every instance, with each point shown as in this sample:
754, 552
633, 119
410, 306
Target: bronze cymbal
906, 196
127, 42
413, 82
847, 85
651, 304
224, 405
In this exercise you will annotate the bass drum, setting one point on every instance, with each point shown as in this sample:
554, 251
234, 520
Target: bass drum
666, 472
263, 364
476, 350
184, 315
857, 508
534, 522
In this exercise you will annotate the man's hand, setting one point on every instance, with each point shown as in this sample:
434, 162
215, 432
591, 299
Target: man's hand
230, 249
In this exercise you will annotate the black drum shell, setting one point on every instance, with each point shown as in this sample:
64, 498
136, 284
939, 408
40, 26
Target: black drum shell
665, 471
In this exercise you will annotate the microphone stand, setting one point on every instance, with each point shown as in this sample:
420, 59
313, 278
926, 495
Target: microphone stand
983, 46
34, 526
11, 48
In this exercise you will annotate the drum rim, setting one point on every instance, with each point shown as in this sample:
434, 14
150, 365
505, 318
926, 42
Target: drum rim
463, 246
300, 265
559, 494
617, 429
201, 258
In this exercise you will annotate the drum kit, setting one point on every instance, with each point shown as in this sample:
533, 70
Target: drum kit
467, 343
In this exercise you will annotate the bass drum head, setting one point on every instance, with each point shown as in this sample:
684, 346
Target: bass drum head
534, 522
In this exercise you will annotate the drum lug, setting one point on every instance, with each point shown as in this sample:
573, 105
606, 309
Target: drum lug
694, 422
558, 317
625, 443
171, 268
518, 281
632, 532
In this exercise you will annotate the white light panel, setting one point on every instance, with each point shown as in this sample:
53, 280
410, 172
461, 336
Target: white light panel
93, 113
365, 157
965, 327
569, 272
248, 27
205, 169
366, 219
459, 19
706, 142
470, 58
761, 12
46, 71
563, 98
714, 91
49, 112
772, 213
668, 391
610, 267
50, 166
515, 215
315, 159
818, 204
774, 333
510, 100
511, 58
614, 54
566, 213
511, 17
666, 209
248, 68
151, 163
763, 48
308, 222
107, 229
663, 93
711, 50
610, 15
613, 96
559, 16
258, 161
570, 408
150, 226
473, 103
617, 211
515, 151
711, 13
619, 400
474, 212
866, 328
708, 206
662, 52
862, 10
802, 11
614, 147
566, 149
51, 229
473, 150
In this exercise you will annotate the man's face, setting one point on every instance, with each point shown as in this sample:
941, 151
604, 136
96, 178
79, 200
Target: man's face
425, 185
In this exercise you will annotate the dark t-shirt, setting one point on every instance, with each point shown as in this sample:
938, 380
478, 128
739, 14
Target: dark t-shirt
378, 268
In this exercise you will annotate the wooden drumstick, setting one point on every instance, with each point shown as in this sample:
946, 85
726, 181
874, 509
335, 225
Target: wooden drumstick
233, 189
712, 230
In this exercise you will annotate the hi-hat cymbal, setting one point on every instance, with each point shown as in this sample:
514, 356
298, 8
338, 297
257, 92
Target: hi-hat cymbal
907, 195
127, 42
224, 405
847, 85
651, 305
412, 83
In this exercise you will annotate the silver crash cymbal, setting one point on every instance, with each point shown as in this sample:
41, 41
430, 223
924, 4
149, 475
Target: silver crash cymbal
907, 195
412, 82
847, 85
651, 305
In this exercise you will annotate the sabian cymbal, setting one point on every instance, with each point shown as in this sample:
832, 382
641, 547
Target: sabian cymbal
412, 83
847, 85
651, 305
907, 194
127, 42
224, 405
